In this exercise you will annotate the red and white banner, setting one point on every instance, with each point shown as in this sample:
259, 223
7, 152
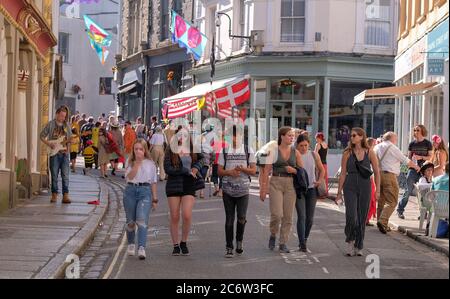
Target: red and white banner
220, 100
181, 107
232, 95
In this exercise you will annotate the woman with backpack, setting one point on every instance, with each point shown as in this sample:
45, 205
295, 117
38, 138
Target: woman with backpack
281, 190
183, 167
306, 200
236, 165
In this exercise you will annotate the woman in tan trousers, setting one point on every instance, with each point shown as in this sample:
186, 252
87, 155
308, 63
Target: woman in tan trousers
282, 162
157, 151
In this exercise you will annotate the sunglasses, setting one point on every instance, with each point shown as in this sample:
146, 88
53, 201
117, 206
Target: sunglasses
354, 135
417, 130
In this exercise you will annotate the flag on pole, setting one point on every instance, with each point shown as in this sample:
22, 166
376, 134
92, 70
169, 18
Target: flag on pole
98, 37
187, 36
212, 58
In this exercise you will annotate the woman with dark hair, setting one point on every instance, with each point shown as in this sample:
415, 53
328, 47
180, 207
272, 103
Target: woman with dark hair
306, 202
322, 150
281, 192
440, 155
183, 167
357, 160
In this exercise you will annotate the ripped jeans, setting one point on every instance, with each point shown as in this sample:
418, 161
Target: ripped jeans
137, 201
233, 206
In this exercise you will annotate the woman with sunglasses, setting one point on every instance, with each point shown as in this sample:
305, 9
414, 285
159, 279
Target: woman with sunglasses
355, 182
183, 167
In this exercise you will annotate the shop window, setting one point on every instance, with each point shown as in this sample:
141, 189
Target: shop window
343, 115
293, 21
292, 90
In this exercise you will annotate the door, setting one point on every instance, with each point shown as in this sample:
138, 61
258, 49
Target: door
305, 117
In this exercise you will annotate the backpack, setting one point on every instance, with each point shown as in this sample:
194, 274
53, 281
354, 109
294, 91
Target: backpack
247, 155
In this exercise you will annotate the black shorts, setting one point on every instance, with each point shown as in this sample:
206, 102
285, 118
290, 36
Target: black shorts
73, 155
188, 188
88, 165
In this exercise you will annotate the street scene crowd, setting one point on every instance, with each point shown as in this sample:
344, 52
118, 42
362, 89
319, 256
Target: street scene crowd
291, 172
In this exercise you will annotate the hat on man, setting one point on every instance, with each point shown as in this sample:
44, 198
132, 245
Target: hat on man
425, 166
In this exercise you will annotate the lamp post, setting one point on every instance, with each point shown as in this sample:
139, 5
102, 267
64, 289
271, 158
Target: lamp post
230, 35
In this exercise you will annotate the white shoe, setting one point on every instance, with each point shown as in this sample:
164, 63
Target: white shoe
351, 248
131, 250
141, 253
358, 252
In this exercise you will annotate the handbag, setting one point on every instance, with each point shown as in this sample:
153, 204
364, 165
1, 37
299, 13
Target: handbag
364, 171
199, 182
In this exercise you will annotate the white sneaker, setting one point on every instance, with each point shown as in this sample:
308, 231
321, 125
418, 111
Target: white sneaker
141, 253
131, 250
358, 252
351, 248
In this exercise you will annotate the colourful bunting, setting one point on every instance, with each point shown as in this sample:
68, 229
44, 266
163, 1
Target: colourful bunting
187, 36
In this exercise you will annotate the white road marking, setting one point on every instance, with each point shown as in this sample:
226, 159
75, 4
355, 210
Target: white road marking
325, 270
316, 259
116, 256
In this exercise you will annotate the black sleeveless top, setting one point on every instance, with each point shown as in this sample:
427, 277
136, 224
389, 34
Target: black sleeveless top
323, 154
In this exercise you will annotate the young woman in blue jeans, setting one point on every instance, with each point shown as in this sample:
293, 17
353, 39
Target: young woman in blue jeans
140, 195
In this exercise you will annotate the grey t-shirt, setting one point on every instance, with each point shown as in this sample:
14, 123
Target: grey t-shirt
238, 186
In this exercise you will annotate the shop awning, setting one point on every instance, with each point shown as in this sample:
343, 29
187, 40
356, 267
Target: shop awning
127, 87
225, 93
393, 92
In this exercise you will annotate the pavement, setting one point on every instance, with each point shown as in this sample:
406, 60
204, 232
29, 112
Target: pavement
410, 225
37, 236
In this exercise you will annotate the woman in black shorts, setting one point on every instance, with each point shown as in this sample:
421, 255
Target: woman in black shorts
182, 167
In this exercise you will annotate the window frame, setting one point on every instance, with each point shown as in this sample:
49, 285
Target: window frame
292, 18
165, 22
66, 36
389, 21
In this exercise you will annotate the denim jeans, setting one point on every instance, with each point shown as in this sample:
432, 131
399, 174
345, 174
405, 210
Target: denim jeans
411, 178
232, 206
137, 204
305, 206
60, 162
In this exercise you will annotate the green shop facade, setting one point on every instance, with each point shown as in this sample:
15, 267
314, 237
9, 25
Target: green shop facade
314, 93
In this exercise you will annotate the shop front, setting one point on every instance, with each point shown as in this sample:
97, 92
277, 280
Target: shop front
313, 93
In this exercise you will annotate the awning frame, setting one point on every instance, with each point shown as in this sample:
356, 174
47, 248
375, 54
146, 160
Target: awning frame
408, 90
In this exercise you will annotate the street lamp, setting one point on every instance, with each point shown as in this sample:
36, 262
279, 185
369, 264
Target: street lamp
231, 36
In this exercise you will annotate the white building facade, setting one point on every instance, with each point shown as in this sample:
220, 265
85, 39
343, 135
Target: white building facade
310, 59
89, 84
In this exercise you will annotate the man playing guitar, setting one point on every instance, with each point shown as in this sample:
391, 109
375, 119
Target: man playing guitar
56, 135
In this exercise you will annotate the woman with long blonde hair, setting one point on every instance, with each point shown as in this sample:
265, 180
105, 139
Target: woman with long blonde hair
140, 195
440, 155
357, 161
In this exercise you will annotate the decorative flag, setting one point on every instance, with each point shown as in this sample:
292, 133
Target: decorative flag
201, 103
98, 37
187, 36
232, 95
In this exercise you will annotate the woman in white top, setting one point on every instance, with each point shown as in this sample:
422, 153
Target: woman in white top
140, 195
306, 203
157, 150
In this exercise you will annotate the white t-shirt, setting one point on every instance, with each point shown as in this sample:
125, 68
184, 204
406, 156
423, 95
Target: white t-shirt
157, 139
145, 174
